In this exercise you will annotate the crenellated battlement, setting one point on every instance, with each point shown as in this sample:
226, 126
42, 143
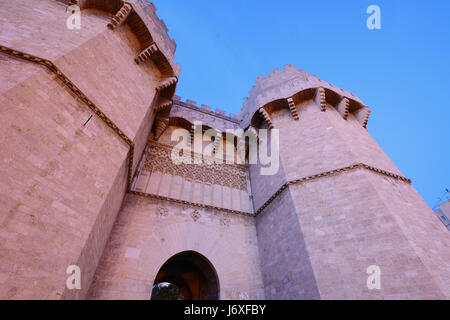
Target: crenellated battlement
206, 109
288, 87
160, 27
289, 82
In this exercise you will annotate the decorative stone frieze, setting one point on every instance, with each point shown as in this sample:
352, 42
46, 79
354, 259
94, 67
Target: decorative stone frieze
233, 176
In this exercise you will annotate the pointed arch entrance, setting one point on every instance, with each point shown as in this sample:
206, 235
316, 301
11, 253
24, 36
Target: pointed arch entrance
187, 275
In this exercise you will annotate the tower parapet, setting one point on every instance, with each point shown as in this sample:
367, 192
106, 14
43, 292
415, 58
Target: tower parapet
288, 83
338, 204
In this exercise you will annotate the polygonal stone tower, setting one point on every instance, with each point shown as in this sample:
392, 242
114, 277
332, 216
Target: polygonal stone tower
338, 204
77, 106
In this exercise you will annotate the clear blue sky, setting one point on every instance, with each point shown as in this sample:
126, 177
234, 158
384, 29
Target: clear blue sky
402, 71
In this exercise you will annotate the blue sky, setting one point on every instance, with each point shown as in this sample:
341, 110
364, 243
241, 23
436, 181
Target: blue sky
402, 71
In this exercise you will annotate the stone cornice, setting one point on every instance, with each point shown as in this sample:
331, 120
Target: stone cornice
193, 204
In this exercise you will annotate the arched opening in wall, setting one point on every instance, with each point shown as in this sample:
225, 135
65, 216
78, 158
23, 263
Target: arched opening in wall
186, 276
166, 291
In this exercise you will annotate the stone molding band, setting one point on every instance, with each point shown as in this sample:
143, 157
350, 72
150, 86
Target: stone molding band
327, 174
279, 191
75, 90
193, 204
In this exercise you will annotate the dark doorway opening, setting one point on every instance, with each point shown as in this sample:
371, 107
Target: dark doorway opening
186, 276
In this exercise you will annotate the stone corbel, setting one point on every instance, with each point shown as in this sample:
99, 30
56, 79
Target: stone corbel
192, 134
362, 115
161, 127
321, 99
165, 83
121, 16
293, 108
266, 117
344, 108
146, 53
252, 133
218, 139
163, 104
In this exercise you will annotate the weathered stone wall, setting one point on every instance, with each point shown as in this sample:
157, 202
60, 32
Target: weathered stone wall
429, 238
159, 229
52, 189
347, 227
285, 261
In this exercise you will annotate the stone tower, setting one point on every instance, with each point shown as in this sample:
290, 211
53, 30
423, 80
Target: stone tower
87, 176
77, 107
338, 204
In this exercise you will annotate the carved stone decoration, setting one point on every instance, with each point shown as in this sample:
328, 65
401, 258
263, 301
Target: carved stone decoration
147, 53
362, 115
321, 99
192, 134
195, 215
225, 222
344, 107
120, 16
217, 140
267, 117
293, 108
161, 126
252, 132
228, 175
162, 104
166, 82
163, 212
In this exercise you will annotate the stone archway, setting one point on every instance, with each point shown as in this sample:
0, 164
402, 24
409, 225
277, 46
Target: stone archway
192, 274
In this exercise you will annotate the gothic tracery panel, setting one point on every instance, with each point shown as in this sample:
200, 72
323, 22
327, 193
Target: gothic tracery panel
158, 159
